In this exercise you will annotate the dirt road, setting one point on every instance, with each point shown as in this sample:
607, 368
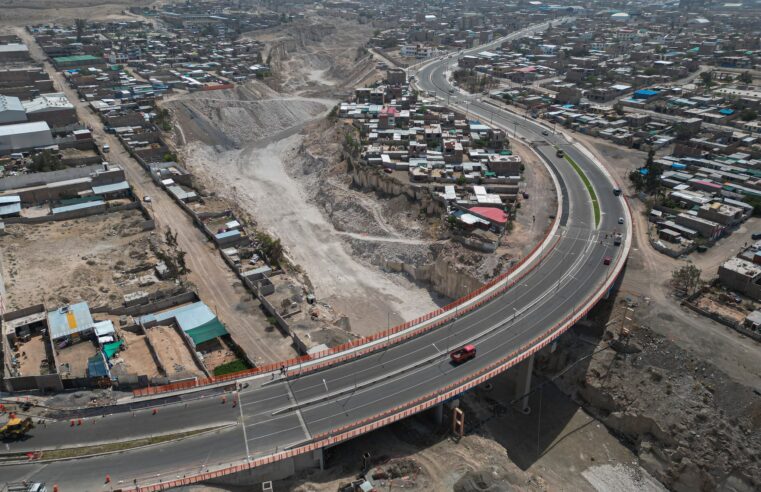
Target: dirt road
215, 282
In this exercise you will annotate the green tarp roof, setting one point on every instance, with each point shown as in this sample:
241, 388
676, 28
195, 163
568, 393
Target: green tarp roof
207, 331
111, 348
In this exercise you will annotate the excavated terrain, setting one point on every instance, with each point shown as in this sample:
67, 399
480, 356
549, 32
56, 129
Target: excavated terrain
693, 427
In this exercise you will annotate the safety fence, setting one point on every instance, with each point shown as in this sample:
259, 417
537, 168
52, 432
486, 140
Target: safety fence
400, 412
389, 334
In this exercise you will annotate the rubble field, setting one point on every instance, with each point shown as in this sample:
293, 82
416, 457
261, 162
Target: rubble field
690, 424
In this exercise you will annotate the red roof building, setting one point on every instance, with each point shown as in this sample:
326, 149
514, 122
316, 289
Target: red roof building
496, 216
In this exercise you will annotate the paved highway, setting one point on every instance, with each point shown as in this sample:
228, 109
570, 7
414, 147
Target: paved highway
276, 414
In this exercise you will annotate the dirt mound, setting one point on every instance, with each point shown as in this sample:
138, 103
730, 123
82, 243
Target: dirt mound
236, 117
482, 481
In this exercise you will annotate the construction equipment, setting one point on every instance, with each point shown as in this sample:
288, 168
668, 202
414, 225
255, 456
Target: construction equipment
16, 427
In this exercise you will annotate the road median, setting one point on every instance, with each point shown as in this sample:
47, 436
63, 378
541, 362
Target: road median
588, 185
86, 451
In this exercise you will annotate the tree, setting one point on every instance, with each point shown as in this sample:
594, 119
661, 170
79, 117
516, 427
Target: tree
46, 161
686, 279
80, 26
748, 115
755, 202
707, 79
172, 256
652, 174
270, 248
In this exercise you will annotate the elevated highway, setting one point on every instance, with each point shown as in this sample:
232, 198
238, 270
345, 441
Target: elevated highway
286, 418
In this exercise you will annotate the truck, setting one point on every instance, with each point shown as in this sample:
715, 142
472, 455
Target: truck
16, 427
25, 486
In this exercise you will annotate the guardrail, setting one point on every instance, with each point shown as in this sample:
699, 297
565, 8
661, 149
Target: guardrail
420, 404
387, 334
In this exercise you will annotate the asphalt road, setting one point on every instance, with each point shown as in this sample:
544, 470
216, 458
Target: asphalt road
278, 414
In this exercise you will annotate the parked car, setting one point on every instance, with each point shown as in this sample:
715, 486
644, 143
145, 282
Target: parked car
147, 199
463, 354
756, 235
388, 170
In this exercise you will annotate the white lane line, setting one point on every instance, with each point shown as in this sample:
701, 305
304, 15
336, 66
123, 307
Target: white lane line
298, 413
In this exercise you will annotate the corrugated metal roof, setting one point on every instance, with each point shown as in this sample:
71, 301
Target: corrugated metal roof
224, 235
110, 188
10, 209
77, 206
10, 199
21, 128
187, 317
69, 320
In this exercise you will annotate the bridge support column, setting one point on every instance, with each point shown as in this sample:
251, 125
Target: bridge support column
319, 455
522, 378
439, 410
438, 414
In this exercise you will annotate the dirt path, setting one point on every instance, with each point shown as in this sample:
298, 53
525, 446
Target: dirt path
215, 283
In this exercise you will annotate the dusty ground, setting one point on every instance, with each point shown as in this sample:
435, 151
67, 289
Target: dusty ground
136, 357
30, 355
23, 12
173, 353
96, 259
72, 360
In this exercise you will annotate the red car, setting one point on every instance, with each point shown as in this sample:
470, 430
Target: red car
463, 354
607, 260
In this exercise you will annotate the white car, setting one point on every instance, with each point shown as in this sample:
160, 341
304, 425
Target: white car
147, 199
620, 220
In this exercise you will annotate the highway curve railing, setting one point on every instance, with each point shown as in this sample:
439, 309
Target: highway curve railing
391, 335
424, 402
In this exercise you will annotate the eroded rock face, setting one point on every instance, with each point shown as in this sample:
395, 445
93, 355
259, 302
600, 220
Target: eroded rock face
693, 428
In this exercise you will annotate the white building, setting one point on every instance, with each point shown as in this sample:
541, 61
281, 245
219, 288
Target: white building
24, 136
11, 110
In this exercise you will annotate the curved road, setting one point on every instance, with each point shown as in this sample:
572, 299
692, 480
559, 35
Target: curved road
281, 413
